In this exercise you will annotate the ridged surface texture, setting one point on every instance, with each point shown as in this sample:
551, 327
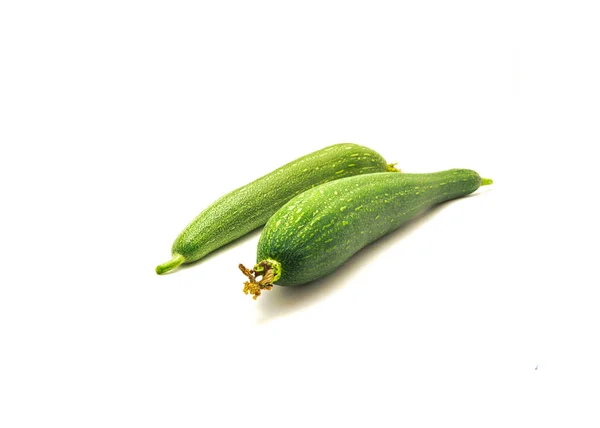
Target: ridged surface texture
320, 229
250, 206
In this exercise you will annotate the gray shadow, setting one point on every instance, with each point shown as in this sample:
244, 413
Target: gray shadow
281, 301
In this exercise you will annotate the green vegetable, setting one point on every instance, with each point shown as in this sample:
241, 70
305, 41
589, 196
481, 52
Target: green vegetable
318, 230
250, 206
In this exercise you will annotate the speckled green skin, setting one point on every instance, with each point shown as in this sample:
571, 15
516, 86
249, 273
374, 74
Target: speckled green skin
320, 229
250, 206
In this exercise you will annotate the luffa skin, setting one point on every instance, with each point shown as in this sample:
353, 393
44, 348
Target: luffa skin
317, 231
250, 206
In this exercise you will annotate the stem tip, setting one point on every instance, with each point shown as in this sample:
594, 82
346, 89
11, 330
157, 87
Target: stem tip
170, 265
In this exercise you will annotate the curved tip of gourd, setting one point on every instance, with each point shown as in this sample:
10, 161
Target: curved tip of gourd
170, 265
486, 181
391, 167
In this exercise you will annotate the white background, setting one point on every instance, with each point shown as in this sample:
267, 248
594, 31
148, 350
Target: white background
121, 120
